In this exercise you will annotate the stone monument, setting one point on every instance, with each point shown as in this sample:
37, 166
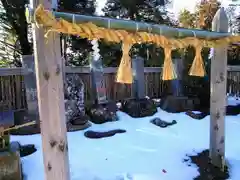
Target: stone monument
30, 86
100, 110
74, 102
74, 97
10, 164
178, 102
139, 105
138, 77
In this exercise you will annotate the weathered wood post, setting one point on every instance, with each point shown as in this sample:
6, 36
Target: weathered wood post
49, 78
97, 74
138, 77
218, 94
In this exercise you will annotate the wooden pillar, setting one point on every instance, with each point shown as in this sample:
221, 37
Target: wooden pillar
218, 94
49, 78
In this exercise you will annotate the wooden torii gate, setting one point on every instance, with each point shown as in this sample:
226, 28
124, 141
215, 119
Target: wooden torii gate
50, 83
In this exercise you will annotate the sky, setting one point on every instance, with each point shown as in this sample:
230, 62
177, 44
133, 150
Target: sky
178, 5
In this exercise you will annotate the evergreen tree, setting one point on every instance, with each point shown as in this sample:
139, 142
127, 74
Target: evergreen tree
151, 11
76, 48
202, 18
14, 20
187, 19
138, 10
205, 13
86, 7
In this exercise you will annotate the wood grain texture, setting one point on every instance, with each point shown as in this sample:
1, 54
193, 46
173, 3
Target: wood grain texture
218, 94
49, 78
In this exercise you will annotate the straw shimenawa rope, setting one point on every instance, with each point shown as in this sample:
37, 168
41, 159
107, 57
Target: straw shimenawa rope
198, 68
91, 31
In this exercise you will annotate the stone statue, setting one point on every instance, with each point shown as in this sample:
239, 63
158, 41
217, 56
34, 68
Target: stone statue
74, 100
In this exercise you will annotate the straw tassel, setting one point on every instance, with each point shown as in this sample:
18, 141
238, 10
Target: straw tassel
124, 74
198, 68
169, 72
201, 19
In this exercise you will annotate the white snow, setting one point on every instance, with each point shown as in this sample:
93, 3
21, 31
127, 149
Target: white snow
142, 153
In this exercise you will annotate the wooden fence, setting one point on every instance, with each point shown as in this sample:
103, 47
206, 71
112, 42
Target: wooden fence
13, 96
12, 89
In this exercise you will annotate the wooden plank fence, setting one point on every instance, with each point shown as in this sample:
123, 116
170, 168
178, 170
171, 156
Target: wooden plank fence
13, 96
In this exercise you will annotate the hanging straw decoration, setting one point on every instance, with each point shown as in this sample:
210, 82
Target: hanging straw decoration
168, 72
198, 68
124, 74
45, 18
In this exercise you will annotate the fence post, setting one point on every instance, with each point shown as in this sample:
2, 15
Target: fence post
49, 78
218, 94
97, 75
138, 77
30, 85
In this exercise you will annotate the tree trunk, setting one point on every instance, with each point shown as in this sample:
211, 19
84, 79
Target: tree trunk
15, 13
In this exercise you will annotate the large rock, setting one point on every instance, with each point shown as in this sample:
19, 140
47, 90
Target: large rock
10, 164
175, 104
101, 113
139, 107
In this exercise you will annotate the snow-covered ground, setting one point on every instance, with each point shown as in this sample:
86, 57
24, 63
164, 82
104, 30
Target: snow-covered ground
144, 152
